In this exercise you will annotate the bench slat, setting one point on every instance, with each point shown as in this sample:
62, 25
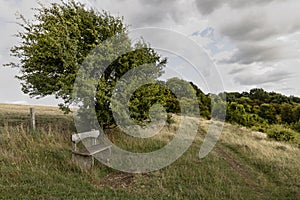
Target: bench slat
93, 150
98, 148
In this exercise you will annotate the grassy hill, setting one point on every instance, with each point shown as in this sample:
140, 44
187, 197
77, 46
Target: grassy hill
243, 165
48, 119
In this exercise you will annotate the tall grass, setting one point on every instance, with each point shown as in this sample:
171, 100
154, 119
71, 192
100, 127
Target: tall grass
244, 165
48, 119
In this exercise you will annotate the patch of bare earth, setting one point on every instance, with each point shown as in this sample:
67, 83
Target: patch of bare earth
119, 180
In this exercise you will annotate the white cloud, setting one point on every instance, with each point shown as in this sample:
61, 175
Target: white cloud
254, 30
256, 44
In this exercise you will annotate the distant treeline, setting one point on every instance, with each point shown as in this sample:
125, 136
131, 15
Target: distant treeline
270, 112
276, 114
246, 108
270, 107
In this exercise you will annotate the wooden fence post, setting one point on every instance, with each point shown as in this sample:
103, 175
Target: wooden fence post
32, 119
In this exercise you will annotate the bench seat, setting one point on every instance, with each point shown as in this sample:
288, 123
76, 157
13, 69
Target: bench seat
84, 157
90, 151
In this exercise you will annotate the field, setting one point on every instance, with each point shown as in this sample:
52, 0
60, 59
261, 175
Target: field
48, 119
243, 165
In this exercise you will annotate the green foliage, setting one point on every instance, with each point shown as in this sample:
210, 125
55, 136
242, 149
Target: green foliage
191, 106
62, 38
244, 100
260, 127
258, 94
258, 109
55, 43
281, 133
139, 55
145, 97
204, 102
267, 112
236, 113
173, 95
286, 111
296, 113
170, 119
219, 108
296, 126
181, 88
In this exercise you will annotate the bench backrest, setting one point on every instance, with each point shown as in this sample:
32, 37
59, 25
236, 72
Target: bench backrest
80, 136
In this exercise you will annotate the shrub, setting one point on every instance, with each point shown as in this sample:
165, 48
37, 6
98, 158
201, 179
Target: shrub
296, 126
281, 133
170, 119
260, 127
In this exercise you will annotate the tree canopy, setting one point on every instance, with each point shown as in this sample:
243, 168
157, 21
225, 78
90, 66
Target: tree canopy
59, 41
56, 42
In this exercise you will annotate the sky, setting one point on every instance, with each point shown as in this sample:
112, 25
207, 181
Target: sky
251, 44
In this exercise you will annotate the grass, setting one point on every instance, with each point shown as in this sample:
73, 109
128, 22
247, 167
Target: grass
244, 165
48, 119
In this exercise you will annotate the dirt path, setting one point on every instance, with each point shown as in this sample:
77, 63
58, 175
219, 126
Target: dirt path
239, 169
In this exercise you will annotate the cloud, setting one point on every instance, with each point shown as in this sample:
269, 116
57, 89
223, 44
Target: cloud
253, 78
252, 24
207, 7
237, 70
249, 53
141, 13
247, 28
243, 37
255, 30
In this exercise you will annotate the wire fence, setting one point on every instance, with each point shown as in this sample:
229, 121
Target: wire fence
44, 122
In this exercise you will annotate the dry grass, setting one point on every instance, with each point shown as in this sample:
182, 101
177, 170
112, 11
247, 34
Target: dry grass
260, 146
24, 109
48, 119
243, 165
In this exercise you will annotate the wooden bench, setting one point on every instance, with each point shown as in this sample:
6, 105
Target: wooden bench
93, 144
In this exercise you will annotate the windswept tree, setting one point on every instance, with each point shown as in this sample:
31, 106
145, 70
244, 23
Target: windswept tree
57, 42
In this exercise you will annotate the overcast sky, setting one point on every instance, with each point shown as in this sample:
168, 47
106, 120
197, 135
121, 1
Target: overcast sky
252, 43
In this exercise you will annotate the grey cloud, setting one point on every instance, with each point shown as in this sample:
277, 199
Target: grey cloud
157, 2
246, 3
237, 70
248, 54
251, 79
258, 27
207, 7
152, 13
159, 11
154, 18
250, 28
255, 32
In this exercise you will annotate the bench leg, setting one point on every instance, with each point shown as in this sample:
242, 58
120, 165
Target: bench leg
84, 162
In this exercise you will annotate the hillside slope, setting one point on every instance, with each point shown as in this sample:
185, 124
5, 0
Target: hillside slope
243, 165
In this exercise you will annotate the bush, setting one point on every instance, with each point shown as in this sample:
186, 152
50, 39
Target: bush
260, 127
170, 119
281, 133
206, 114
296, 126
